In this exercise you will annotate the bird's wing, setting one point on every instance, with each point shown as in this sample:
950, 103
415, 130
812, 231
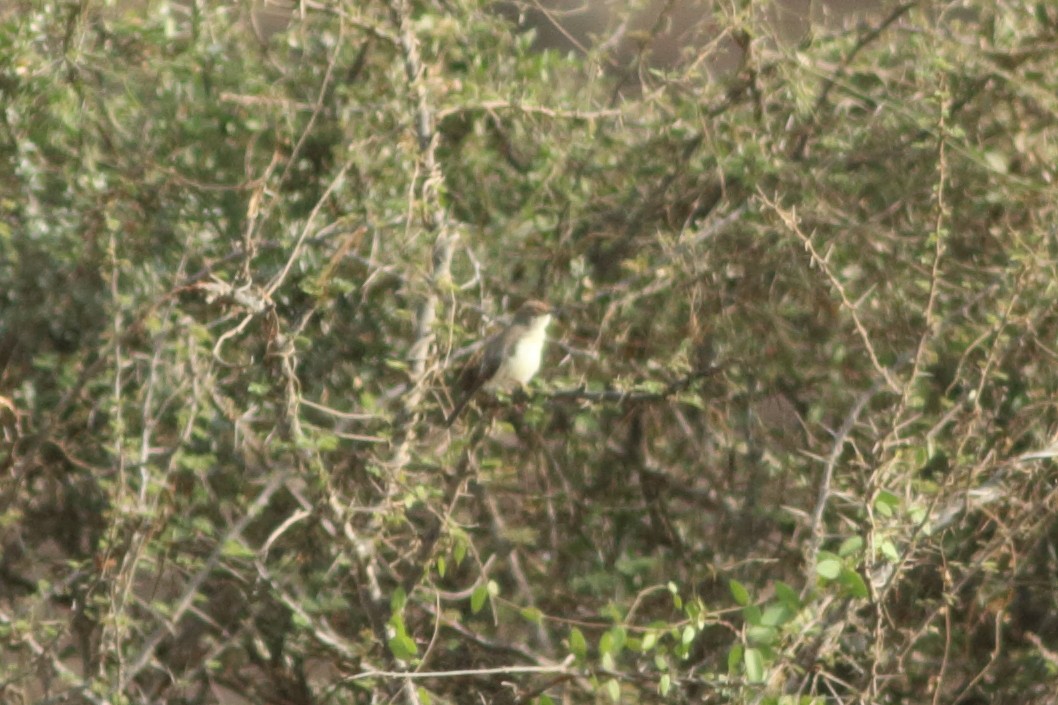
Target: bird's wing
480, 368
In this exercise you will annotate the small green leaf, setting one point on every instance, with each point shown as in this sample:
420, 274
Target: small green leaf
754, 666
442, 566
886, 503
477, 599
618, 637
996, 162
650, 639
917, 514
403, 646
326, 442
775, 615
677, 601
234, 548
531, 614
854, 583
664, 683
787, 596
460, 552
829, 568
577, 644
397, 601
889, 551
850, 546
606, 644
613, 689
739, 592
734, 658
762, 636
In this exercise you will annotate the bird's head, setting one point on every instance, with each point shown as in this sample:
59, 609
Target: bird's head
533, 313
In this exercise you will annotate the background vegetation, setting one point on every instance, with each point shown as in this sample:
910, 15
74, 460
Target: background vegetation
793, 439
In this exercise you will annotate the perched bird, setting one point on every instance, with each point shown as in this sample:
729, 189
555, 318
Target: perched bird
509, 359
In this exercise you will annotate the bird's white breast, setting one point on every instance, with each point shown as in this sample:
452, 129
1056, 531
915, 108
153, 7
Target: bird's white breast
524, 361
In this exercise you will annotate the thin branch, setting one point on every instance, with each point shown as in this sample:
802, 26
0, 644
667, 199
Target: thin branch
557, 668
789, 218
435, 219
496, 105
823, 496
630, 396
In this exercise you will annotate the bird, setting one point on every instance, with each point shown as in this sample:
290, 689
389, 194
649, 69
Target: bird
509, 359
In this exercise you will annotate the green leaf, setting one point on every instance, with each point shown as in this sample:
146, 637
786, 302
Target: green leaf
664, 683
460, 552
734, 658
996, 162
761, 635
531, 614
326, 442
776, 615
677, 601
787, 596
234, 548
613, 689
403, 646
886, 503
606, 644
754, 666
478, 597
852, 582
397, 601
739, 592
650, 639
442, 566
829, 568
889, 551
850, 546
577, 644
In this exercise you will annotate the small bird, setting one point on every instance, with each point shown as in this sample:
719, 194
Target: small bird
509, 359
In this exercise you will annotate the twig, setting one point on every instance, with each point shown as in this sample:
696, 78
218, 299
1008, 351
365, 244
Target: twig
869, 36
840, 439
435, 219
557, 668
494, 105
623, 396
193, 590
789, 218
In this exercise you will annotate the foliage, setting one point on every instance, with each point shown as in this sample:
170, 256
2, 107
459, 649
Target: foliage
792, 443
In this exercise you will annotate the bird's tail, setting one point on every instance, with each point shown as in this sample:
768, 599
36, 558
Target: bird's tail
456, 411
